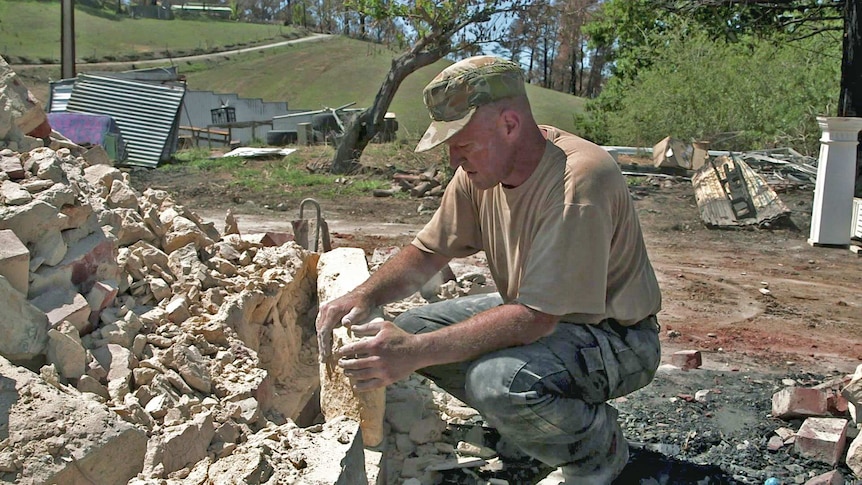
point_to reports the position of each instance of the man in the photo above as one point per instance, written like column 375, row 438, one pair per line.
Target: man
column 574, row 322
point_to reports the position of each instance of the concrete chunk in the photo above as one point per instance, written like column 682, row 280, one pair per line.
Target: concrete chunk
column 14, row 261
column 80, row 437
column 24, row 327
column 65, row 306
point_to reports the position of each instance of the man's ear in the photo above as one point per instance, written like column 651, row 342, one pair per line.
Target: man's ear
column 511, row 122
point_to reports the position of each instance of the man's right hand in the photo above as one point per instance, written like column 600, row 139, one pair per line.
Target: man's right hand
column 347, row 310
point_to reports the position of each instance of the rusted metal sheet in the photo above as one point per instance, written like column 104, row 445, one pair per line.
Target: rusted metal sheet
column 729, row 193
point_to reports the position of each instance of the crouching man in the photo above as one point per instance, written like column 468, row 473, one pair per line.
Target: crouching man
column 573, row 324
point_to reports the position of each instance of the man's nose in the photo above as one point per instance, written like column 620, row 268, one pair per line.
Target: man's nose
column 455, row 160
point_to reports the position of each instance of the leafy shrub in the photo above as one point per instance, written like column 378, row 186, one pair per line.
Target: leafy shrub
column 745, row 95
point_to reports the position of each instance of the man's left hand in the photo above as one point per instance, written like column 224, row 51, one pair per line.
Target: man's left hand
column 383, row 355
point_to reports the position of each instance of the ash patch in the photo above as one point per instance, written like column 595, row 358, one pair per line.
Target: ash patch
column 675, row 439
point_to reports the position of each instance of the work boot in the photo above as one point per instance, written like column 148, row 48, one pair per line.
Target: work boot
column 604, row 475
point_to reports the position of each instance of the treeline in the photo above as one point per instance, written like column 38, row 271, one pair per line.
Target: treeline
column 739, row 74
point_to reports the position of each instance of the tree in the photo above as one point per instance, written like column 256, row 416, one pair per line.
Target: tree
column 439, row 28
column 783, row 21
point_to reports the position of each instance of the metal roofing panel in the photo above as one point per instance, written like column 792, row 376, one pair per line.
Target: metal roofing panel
column 61, row 91
column 145, row 112
column 729, row 193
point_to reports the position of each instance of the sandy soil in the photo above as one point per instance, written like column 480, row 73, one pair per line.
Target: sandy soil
column 711, row 279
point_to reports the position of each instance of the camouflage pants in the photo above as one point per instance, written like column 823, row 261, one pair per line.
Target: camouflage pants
column 549, row 397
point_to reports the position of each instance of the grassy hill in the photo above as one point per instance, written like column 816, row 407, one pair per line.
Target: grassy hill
column 341, row 71
column 308, row 75
column 30, row 33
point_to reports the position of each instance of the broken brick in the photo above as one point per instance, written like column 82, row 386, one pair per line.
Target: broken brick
column 687, row 359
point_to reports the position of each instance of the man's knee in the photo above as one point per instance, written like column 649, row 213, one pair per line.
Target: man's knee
column 412, row 321
column 489, row 385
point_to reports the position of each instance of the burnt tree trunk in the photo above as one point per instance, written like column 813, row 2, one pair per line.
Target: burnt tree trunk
column 361, row 129
column 850, row 100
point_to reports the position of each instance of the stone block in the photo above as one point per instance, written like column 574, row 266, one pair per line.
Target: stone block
column 180, row 446
column 12, row 166
column 65, row 305
column 822, row 439
column 799, row 402
column 23, row 326
column 837, row 404
column 102, row 176
column 853, row 394
column 268, row 239
column 14, row 261
column 687, row 359
column 89, row 260
column 854, row 456
column 66, row 352
column 13, row 194
column 95, row 441
column 102, row 295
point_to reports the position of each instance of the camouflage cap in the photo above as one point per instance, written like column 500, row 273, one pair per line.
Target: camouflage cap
column 453, row 96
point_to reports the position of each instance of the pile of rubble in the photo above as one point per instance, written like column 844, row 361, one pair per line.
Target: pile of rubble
column 165, row 349
column 146, row 345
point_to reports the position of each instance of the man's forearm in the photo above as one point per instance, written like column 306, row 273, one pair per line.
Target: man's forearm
column 401, row 276
column 505, row 326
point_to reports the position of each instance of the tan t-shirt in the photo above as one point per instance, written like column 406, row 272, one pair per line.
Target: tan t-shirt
column 566, row 242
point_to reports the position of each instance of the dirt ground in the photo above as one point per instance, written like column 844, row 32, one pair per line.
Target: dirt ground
column 711, row 279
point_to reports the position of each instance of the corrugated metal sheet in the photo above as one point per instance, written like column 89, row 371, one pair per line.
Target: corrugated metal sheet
column 146, row 113
column 61, row 91
column 729, row 193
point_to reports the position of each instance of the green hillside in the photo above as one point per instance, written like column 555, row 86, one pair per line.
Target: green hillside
column 30, row 33
column 309, row 75
column 341, row 71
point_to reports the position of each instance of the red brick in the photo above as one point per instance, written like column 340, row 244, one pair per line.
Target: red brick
column 799, row 402
column 822, row 439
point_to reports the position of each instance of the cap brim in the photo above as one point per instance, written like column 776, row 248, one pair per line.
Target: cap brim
column 440, row 131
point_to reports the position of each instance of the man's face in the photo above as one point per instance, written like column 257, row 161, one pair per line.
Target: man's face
column 481, row 149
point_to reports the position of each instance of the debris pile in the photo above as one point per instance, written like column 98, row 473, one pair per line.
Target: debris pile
column 430, row 183
column 729, row 193
column 193, row 351
column 159, row 347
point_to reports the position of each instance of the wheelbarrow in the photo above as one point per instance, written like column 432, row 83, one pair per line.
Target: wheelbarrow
column 301, row 228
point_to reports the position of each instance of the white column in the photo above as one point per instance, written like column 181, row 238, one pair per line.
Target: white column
column 836, row 176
